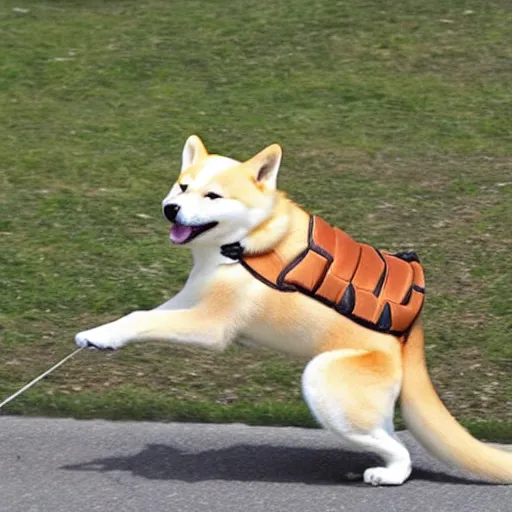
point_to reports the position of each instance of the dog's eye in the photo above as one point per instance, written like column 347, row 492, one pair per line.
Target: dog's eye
column 183, row 187
column 212, row 195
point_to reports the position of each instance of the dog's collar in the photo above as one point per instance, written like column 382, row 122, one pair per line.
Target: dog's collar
column 233, row 251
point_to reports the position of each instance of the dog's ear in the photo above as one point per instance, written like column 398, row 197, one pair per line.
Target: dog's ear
column 193, row 151
column 265, row 165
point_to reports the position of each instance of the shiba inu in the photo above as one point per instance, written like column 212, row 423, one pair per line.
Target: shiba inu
column 267, row 272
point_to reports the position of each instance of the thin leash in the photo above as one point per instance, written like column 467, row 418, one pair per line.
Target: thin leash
column 42, row 376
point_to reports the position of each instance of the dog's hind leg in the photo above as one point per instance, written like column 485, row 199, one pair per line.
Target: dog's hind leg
column 352, row 393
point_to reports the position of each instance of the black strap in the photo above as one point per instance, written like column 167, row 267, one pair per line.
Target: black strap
column 233, row 251
column 408, row 256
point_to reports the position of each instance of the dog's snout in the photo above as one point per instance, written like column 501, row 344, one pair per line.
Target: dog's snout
column 171, row 211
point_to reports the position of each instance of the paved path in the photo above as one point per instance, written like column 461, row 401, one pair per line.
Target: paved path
column 49, row 465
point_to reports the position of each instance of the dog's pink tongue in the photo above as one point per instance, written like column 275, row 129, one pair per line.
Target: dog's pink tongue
column 180, row 233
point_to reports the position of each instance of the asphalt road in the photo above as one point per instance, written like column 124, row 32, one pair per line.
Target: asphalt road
column 62, row 465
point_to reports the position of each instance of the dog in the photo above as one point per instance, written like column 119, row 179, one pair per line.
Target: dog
column 250, row 284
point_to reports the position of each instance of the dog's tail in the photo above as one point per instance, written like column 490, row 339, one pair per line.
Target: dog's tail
column 435, row 428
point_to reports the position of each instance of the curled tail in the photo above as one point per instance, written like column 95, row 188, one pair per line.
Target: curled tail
column 435, row 428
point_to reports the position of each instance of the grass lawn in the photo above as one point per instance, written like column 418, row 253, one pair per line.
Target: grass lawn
column 395, row 119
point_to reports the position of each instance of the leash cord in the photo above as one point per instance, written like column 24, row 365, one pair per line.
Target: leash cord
column 42, row 376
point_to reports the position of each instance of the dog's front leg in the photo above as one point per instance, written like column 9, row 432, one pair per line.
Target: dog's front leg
column 187, row 326
column 212, row 323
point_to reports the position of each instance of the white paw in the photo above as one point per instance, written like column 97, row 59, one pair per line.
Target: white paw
column 105, row 337
column 393, row 475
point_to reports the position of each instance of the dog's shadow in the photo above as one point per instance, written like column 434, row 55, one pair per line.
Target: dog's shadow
column 249, row 463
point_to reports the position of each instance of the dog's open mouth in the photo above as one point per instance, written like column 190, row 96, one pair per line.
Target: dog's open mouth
column 181, row 233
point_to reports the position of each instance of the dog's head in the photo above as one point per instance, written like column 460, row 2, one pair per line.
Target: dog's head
column 217, row 200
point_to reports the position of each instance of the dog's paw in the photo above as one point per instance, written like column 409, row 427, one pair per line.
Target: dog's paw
column 393, row 475
column 103, row 338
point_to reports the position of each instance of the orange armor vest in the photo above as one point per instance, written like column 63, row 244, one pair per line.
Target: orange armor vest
column 379, row 290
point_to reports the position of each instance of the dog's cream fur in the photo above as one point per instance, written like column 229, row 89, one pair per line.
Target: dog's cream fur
column 354, row 375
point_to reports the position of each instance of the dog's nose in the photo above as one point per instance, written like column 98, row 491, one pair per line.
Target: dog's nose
column 171, row 211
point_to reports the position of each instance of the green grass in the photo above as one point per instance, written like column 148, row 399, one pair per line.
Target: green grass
column 129, row 403
column 395, row 118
